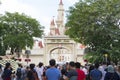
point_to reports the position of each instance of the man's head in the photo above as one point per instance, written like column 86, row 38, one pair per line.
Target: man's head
column 71, row 65
column 52, row 62
column 32, row 66
column 20, row 65
column 40, row 64
column 96, row 65
column 8, row 65
column 77, row 65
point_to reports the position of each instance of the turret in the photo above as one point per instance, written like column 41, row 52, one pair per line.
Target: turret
column 52, row 27
column 60, row 17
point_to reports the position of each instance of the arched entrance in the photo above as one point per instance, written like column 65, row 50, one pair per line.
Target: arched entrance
column 60, row 54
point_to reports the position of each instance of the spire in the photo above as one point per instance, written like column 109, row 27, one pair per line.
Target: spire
column 61, row 3
column 52, row 22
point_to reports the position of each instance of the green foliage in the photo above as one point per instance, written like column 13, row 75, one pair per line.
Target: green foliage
column 17, row 31
column 95, row 23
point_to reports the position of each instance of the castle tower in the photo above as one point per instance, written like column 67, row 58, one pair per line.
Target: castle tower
column 60, row 18
column 52, row 27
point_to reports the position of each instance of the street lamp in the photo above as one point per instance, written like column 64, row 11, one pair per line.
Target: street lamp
column 106, row 55
column 18, row 52
column 27, row 52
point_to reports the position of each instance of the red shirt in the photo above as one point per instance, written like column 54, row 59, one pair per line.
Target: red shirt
column 81, row 74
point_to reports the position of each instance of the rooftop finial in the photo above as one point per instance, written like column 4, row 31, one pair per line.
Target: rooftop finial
column 61, row 3
column 52, row 22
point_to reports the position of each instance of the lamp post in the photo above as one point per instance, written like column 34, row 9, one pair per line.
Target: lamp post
column 106, row 55
column 27, row 52
column 18, row 53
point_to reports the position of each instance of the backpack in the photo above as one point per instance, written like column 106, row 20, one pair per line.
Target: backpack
column 19, row 73
column 35, row 75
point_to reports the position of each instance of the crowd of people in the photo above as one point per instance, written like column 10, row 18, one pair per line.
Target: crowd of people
column 69, row 71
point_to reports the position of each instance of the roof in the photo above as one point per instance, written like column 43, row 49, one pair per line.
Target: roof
column 52, row 22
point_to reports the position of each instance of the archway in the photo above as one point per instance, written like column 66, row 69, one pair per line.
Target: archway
column 60, row 54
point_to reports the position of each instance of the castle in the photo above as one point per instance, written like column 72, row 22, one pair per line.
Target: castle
column 56, row 45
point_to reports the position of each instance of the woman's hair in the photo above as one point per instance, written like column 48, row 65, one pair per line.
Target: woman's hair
column 91, row 68
column 63, row 71
column 32, row 66
column 7, row 65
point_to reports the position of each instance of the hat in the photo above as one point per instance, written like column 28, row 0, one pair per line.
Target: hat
column 111, row 69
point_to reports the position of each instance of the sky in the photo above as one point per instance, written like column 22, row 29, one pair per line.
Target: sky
column 41, row 10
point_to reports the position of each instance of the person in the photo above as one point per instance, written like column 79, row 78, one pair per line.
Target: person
column 7, row 74
column 1, row 72
column 89, row 70
column 72, row 73
column 96, row 74
column 52, row 73
column 63, row 74
column 27, row 69
column 101, row 68
column 39, row 70
column 85, row 70
column 44, row 72
column 32, row 74
column 19, row 72
column 81, row 74
column 111, row 74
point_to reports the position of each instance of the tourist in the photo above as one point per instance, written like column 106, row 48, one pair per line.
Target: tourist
column 1, row 72
column 27, row 69
column 39, row 70
column 111, row 74
column 89, row 70
column 102, row 69
column 72, row 73
column 81, row 74
column 7, row 74
column 96, row 74
column 85, row 70
column 63, row 74
column 52, row 73
column 32, row 74
column 19, row 72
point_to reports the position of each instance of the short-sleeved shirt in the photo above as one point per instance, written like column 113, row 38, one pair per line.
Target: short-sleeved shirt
column 7, row 73
column 72, row 74
column 81, row 74
column 95, row 74
column 53, row 74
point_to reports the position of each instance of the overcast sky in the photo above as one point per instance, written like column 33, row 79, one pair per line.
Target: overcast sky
column 42, row 10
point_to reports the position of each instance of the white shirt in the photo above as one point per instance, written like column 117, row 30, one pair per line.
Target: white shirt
column 39, row 72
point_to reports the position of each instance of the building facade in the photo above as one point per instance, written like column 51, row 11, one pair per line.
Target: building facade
column 57, row 45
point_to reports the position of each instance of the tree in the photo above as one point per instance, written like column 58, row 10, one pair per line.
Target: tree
column 17, row 31
column 96, row 23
